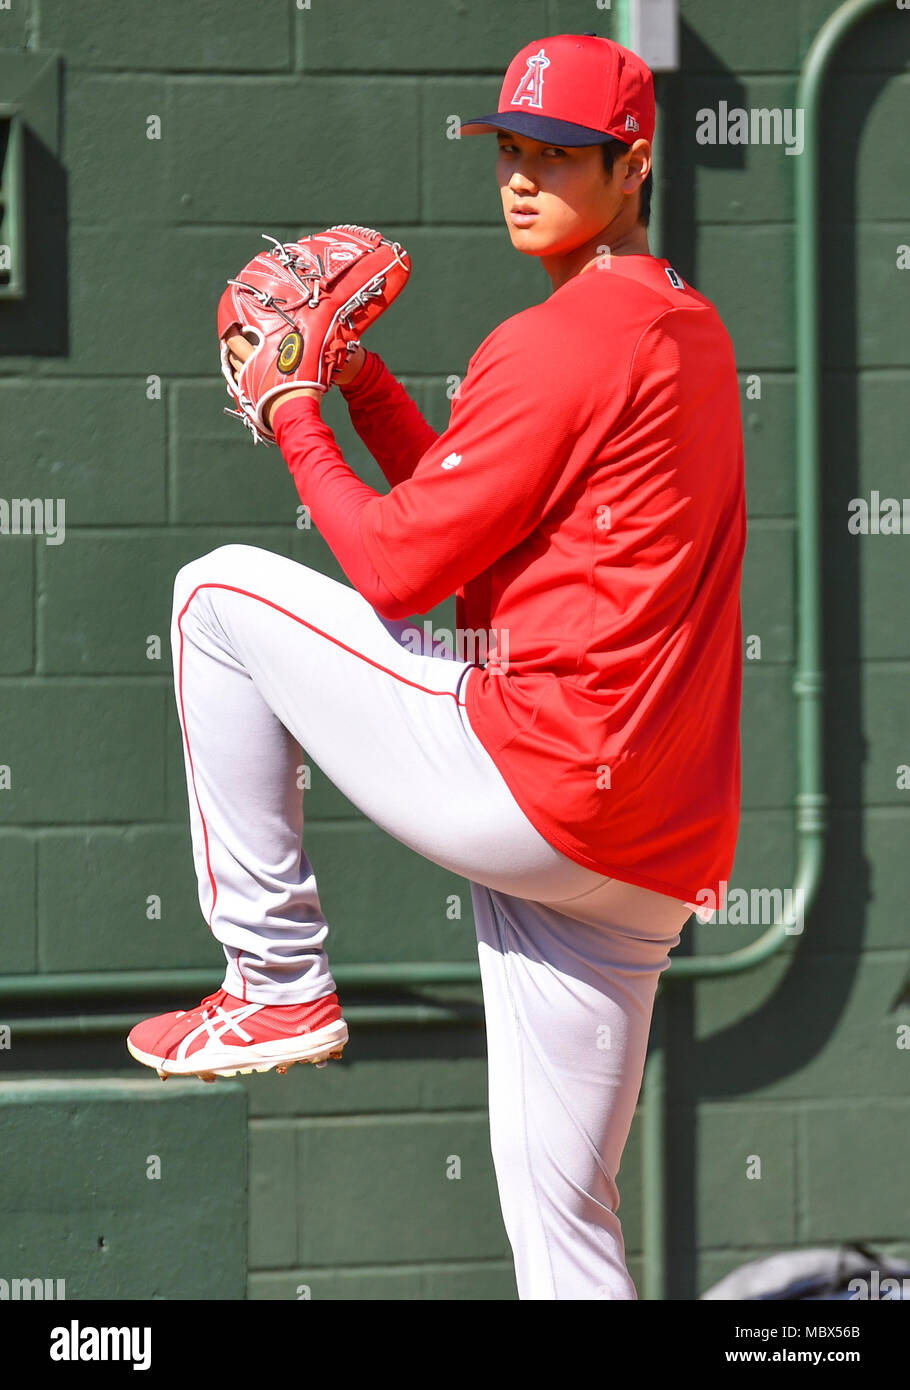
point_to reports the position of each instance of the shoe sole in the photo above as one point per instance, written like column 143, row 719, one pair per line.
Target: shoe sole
column 326, row 1044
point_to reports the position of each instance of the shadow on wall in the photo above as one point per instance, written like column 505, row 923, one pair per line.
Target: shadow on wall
column 781, row 1035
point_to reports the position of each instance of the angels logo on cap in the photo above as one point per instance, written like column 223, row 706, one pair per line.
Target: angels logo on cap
column 530, row 88
column 573, row 89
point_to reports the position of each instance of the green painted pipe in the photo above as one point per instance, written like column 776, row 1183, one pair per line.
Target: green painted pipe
column 358, row 1015
column 808, row 686
column 116, row 983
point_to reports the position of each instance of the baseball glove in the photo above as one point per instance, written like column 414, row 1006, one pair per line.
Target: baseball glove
column 305, row 304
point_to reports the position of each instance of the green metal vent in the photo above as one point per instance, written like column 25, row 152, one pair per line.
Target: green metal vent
column 12, row 203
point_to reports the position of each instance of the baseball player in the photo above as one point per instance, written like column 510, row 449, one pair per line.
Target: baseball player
column 586, row 507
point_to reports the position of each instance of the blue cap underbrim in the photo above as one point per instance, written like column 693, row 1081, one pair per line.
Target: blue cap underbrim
column 535, row 128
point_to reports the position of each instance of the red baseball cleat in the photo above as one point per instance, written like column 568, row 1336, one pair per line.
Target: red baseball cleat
column 223, row 1036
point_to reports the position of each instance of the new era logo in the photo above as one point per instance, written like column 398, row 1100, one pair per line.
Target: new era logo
column 631, row 123
column 452, row 461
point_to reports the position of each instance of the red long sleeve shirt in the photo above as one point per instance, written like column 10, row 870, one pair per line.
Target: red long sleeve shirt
column 381, row 411
column 586, row 507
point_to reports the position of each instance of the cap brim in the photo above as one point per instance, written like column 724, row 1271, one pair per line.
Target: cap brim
column 535, row 128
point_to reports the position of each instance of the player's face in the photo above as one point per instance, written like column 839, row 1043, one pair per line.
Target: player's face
column 572, row 197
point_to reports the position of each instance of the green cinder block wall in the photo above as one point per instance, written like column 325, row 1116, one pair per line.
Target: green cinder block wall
column 279, row 117
column 124, row 1188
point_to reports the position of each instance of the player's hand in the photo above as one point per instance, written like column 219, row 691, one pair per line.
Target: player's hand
column 239, row 349
column 240, row 346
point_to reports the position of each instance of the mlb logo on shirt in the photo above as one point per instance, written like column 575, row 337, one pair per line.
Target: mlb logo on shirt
column 675, row 280
column 451, row 461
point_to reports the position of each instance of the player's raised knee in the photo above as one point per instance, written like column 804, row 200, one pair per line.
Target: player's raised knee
column 222, row 565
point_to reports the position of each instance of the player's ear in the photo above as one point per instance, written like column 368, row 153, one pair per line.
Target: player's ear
column 638, row 164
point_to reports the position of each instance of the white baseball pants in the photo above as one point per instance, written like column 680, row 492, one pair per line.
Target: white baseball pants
column 271, row 658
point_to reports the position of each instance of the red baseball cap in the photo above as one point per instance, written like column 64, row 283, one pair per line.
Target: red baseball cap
column 573, row 89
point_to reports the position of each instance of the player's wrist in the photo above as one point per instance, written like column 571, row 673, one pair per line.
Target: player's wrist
column 352, row 368
column 363, row 383
column 292, row 393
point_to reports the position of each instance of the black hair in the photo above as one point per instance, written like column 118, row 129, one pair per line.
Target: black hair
column 610, row 149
